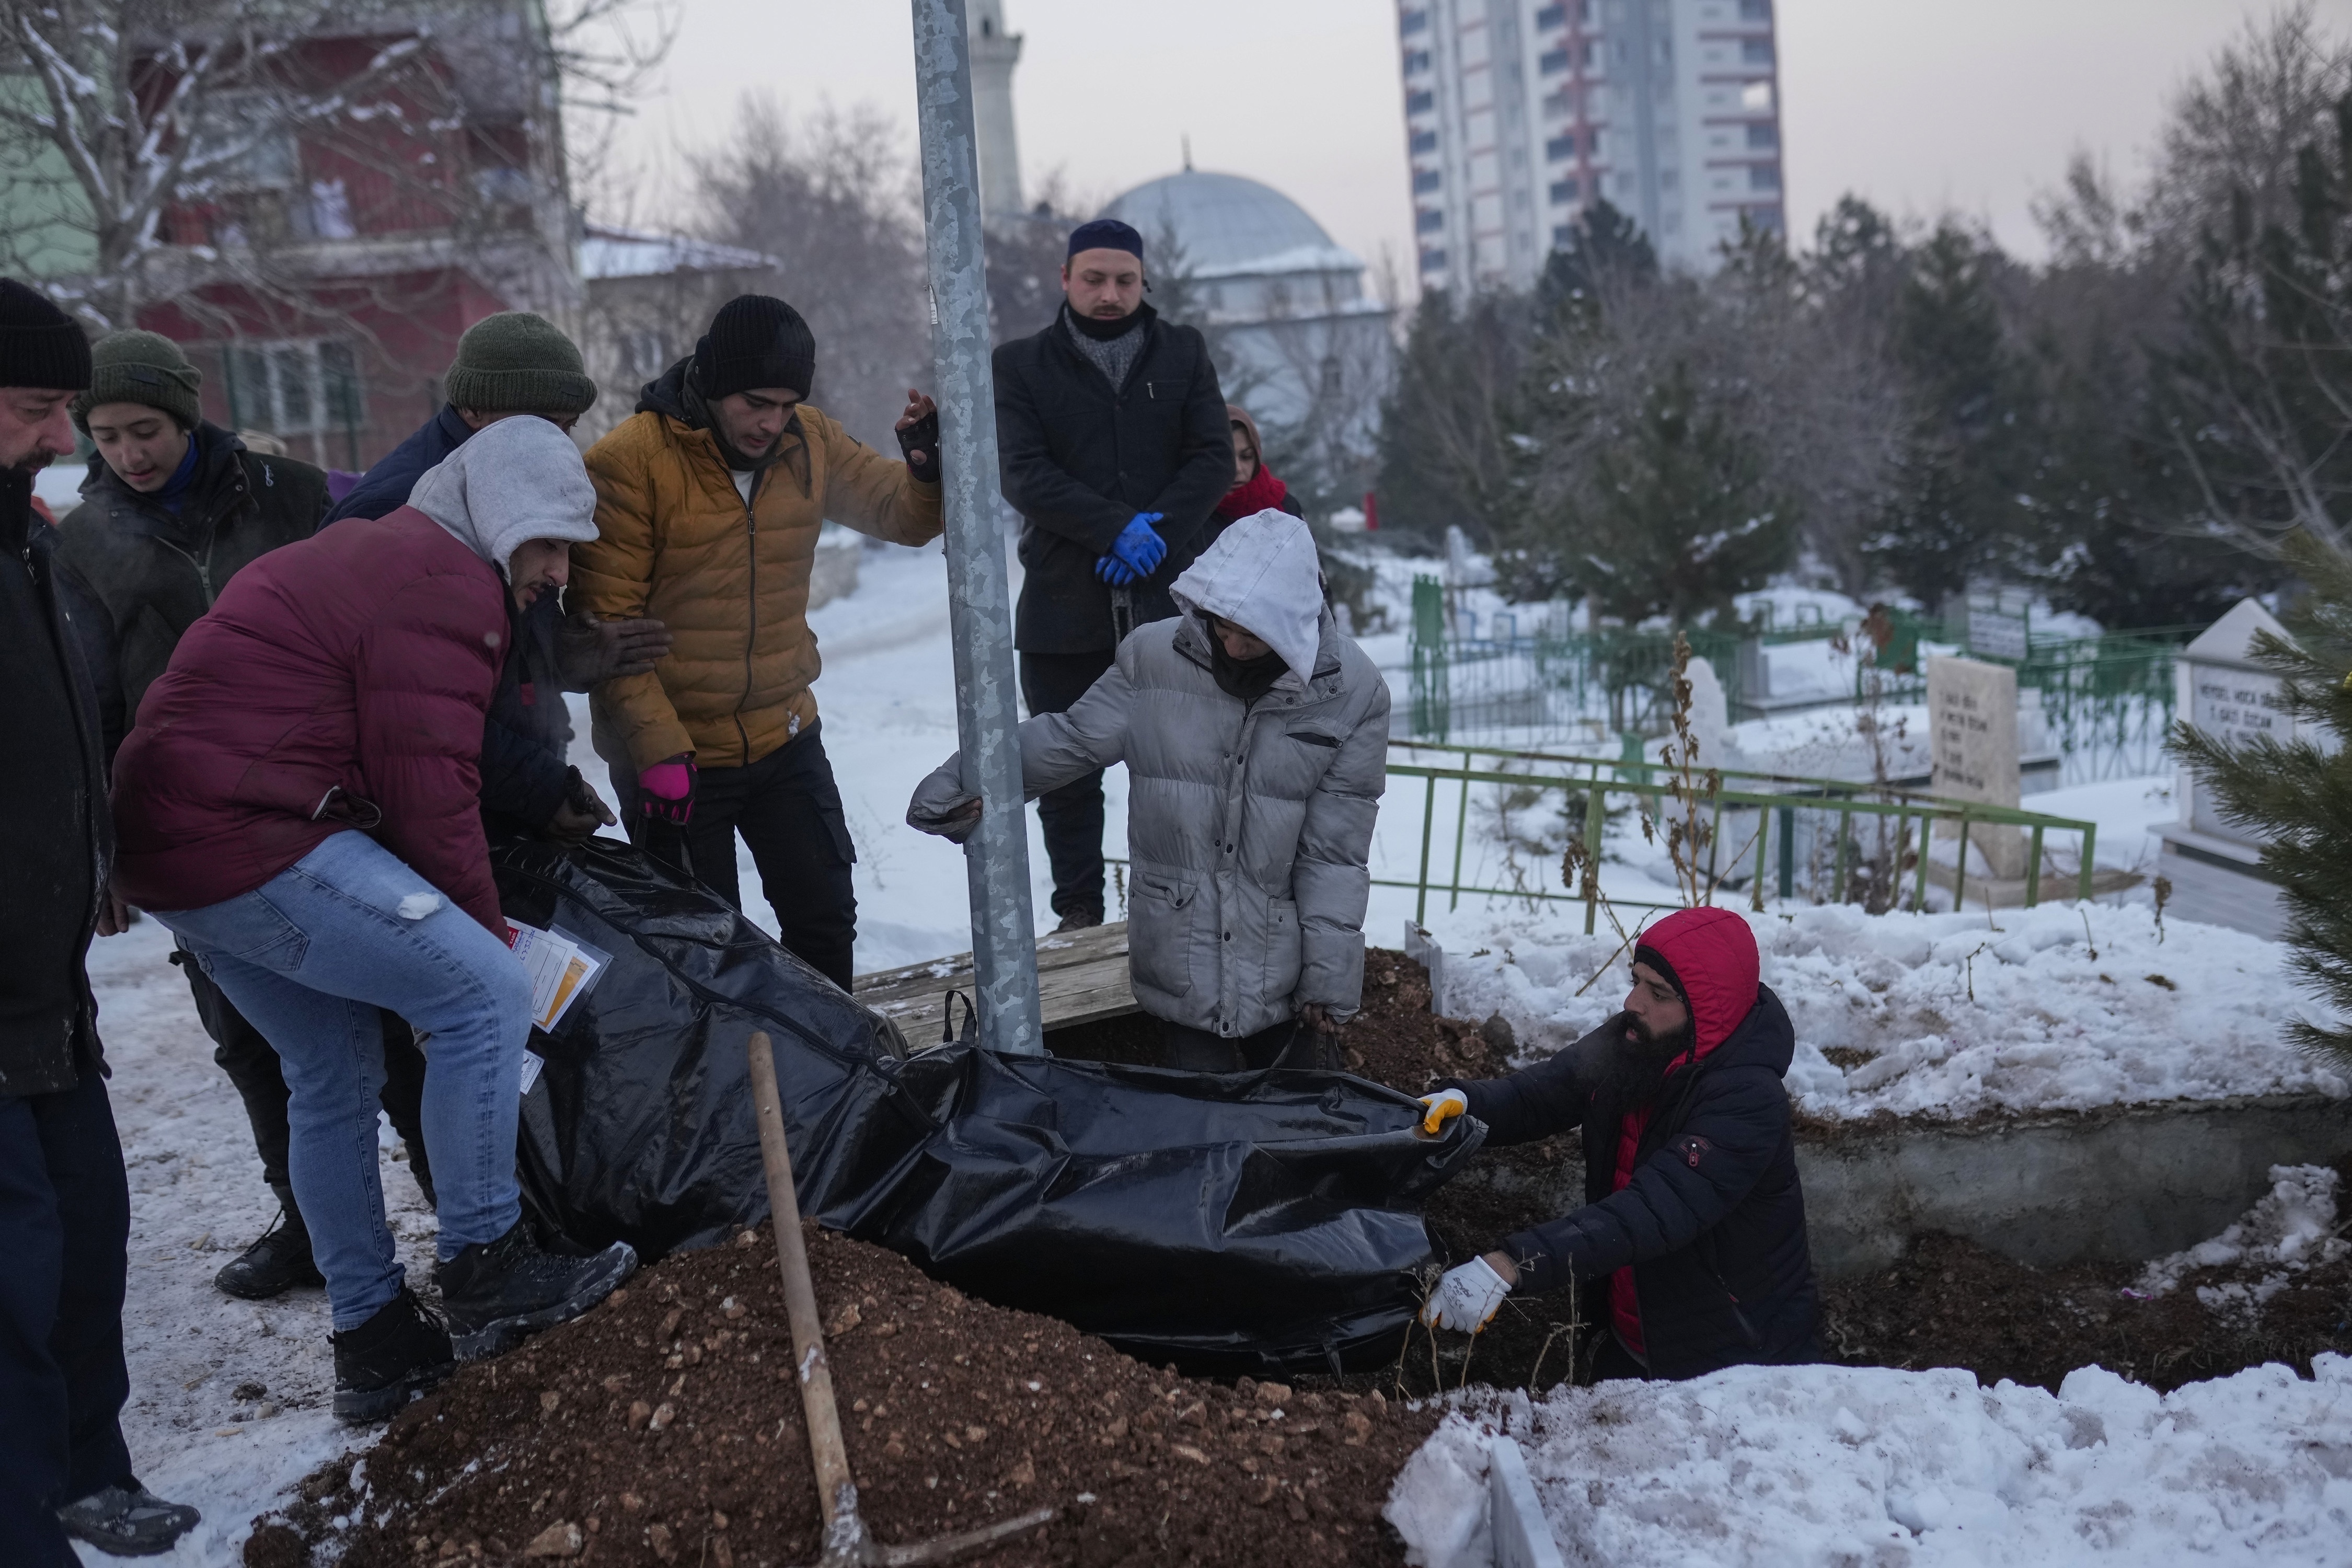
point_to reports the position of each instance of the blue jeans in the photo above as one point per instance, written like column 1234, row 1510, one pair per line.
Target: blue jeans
column 308, row 957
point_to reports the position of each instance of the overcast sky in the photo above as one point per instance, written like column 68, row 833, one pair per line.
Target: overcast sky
column 1920, row 105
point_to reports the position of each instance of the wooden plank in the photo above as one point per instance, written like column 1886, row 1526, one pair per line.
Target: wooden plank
column 1081, row 977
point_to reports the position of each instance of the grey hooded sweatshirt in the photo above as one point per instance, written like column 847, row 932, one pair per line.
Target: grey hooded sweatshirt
column 1249, row 825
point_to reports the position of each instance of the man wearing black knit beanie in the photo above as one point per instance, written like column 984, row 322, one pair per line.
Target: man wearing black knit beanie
column 710, row 499
column 65, row 1202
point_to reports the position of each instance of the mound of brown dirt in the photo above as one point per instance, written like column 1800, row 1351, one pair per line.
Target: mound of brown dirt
column 665, row 1427
column 1397, row 1041
column 1953, row 1303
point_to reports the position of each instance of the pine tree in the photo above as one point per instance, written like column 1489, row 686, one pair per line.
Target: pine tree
column 2298, row 797
column 1443, row 426
column 1955, row 513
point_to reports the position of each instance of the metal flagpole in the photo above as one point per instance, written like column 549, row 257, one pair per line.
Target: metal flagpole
column 979, row 611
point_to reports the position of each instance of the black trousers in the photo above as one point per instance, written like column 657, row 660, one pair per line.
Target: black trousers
column 1289, row 1045
column 788, row 810
column 253, row 1067
column 65, row 1222
column 1071, row 815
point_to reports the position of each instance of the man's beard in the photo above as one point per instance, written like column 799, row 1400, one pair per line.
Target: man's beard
column 1638, row 1062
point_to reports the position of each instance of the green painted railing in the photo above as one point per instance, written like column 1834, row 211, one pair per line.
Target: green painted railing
column 1772, row 795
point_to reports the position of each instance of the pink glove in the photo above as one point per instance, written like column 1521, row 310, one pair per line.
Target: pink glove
column 666, row 790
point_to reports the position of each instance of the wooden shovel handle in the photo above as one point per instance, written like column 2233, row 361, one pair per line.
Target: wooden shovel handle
column 836, row 1492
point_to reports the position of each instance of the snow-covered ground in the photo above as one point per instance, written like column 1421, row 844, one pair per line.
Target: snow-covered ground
column 1785, row 1466
column 2063, row 1006
column 1782, row 1467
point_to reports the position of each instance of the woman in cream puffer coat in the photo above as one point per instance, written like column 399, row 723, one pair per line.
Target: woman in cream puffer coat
column 1253, row 787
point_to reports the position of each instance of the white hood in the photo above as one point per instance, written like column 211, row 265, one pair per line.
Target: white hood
column 518, row 480
column 1263, row 575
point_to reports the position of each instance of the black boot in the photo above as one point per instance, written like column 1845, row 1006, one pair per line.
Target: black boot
column 275, row 1264
column 128, row 1521
column 497, row 1292
column 389, row 1360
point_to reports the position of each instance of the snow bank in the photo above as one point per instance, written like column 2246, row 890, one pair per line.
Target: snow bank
column 1949, row 1015
column 1790, row 1466
column 2289, row 1230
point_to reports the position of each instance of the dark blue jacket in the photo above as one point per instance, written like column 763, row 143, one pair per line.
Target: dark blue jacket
column 383, row 489
column 1713, row 1221
column 524, row 775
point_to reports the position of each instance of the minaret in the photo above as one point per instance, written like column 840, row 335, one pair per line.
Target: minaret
column 994, row 53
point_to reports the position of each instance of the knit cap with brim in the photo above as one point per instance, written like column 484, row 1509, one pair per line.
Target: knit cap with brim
column 146, row 368
column 755, row 341
column 513, row 482
column 518, row 363
column 40, row 345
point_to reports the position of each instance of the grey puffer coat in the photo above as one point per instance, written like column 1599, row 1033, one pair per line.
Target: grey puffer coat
column 1249, row 825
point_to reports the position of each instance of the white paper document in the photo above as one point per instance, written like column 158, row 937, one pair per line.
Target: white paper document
column 562, row 969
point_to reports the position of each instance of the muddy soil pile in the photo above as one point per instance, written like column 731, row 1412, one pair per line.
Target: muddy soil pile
column 665, row 1427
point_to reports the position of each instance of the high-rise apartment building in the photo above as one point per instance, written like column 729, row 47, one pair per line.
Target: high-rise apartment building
column 1521, row 113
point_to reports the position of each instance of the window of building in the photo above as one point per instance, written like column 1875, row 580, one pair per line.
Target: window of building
column 644, row 351
column 1756, row 51
column 1564, row 191
column 1433, row 261
column 1554, row 16
column 1411, row 22
column 1334, row 379
column 1766, row 218
column 1420, row 102
column 248, row 129
column 1563, row 235
column 308, row 387
column 1756, row 98
column 1560, row 146
column 1415, row 62
column 1754, row 10
column 1763, row 137
column 1424, row 181
column 1427, row 220
column 1560, row 104
column 1551, row 62
column 1423, row 142
column 1763, row 177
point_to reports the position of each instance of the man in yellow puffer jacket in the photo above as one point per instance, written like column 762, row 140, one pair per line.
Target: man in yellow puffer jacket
column 709, row 498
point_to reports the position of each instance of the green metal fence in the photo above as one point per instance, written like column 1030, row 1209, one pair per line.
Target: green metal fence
column 1777, row 802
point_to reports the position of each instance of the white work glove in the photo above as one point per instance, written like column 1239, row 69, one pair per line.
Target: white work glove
column 1465, row 1299
column 1442, row 1108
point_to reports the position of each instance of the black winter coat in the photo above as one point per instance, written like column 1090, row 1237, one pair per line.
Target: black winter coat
column 147, row 574
column 527, row 731
column 1713, row 1221
column 1079, row 459
column 56, row 838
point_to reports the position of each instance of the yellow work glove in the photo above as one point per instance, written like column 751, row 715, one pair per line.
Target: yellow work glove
column 1441, row 1107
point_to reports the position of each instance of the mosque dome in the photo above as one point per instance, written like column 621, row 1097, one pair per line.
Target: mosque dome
column 1231, row 226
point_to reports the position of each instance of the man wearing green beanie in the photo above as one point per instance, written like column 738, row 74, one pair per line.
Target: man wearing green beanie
column 512, row 363
column 173, row 508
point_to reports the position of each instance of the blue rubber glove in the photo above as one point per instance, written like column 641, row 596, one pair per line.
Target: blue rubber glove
column 1139, row 546
column 1109, row 569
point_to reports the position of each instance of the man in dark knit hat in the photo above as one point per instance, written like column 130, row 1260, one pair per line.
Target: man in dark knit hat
column 1112, row 444
column 173, row 508
column 65, row 1202
column 710, row 499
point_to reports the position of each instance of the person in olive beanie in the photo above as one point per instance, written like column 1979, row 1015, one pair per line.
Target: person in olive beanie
column 65, row 1202
column 513, row 363
column 173, row 508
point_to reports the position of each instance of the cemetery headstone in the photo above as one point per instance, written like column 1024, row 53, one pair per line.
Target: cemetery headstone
column 1972, row 724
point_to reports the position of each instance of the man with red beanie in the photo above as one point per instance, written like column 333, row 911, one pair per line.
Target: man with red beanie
column 1692, row 1213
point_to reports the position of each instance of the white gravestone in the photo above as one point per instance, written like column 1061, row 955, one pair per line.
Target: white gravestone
column 2231, row 699
column 1972, row 724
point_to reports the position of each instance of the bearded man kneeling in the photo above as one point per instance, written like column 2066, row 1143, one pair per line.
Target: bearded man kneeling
column 1693, row 1212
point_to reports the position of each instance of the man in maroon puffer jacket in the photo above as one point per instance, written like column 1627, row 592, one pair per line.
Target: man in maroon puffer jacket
column 300, row 805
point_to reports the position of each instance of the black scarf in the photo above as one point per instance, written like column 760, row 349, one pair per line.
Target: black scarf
column 1244, row 681
column 1104, row 332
